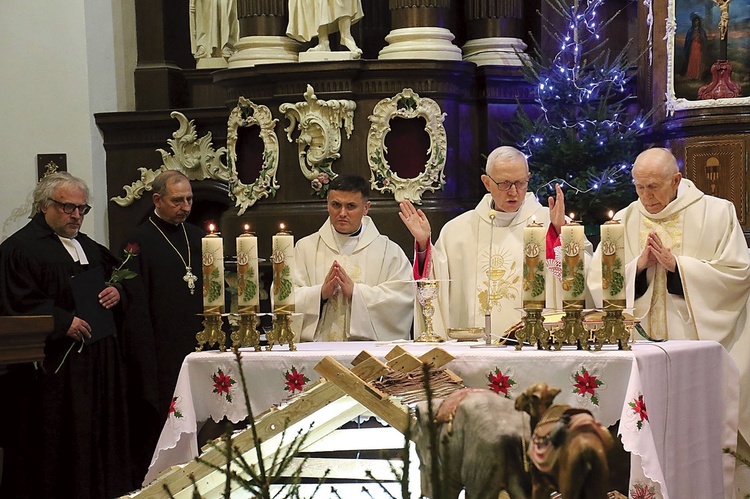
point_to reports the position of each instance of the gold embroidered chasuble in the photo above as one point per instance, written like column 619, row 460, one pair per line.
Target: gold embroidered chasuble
column 470, row 274
column 381, row 307
column 669, row 229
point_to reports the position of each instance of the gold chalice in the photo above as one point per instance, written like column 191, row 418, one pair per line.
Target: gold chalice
column 427, row 291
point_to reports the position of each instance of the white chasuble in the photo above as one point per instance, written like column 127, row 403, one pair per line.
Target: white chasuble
column 714, row 265
column 381, row 307
column 473, row 274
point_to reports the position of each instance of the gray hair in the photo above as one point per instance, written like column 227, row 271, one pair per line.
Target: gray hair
column 160, row 183
column 660, row 155
column 46, row 187
column 504, row 154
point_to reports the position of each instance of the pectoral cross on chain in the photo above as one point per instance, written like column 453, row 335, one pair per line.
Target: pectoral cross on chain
column 190, row 279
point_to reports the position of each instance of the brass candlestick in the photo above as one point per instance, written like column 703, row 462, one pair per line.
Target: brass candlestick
column 427, row 291
column 613, row 329
column 533, row 330
column 212, row 333
column 572, row 330
column 247, row 334
column 282, row 332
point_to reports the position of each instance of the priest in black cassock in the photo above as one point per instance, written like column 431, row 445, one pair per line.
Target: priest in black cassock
column 169, row 287
column 65, row 427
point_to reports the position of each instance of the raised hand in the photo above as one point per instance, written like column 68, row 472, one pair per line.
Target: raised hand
column 417, row 223
column 557, row 208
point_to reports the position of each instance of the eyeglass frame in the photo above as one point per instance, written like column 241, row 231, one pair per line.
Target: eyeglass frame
column 517, row 184
column 69, row 208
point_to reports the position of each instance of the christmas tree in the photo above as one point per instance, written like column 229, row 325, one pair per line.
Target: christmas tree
column 584, row 138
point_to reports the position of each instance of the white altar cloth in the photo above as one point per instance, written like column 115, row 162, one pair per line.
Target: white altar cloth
column 676, row 400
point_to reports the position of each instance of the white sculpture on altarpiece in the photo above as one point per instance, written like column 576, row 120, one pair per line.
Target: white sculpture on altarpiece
column 319, row 18
column 214, row 31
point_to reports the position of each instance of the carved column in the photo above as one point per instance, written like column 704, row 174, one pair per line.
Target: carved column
column 263, row 37
column 494, row 29
column 418, row 31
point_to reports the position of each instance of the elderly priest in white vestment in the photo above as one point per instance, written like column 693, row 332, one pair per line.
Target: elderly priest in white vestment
column 352, row 283
column 687, row 265
column 460, row 258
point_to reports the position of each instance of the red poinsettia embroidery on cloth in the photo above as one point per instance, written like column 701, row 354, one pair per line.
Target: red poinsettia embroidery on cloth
column 173, row 408
column 638, row 407
column 642, row 491
column 295, row 380
column 500, row 382
column 222, row 384
column 586, row 384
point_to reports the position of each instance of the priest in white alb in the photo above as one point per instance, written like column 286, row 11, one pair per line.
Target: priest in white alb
column 687, row 267
column 470, row 281
column 352, row 283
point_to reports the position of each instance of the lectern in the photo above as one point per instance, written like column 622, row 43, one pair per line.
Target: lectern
column 22, row 338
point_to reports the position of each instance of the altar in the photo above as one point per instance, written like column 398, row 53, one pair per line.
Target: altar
column 676, row 401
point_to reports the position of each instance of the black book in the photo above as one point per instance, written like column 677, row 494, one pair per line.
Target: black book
column 86, row 288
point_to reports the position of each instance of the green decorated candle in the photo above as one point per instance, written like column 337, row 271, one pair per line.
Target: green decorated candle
column 573, row 284
column 282, row 259
column 534, row 237
column 212, row 257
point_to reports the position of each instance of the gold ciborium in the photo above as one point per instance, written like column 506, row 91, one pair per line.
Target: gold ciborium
column 427, row 290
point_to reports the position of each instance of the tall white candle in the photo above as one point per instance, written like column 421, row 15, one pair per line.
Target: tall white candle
column 248, row 292
column 573, row 282
column 613, row 267
column 212, row 256
column 534, row 237
column 282, row 258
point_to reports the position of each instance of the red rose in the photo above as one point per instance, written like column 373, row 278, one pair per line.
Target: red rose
column 132, row 249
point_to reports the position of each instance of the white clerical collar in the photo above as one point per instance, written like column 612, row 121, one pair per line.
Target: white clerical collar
column 347, row 242
column 75, row 249
column 505, row 218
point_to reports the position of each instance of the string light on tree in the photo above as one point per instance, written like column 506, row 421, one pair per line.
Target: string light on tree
column 584, row 138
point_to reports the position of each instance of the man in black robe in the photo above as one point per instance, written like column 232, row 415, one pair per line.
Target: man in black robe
column 169, row 286
column 66, row 426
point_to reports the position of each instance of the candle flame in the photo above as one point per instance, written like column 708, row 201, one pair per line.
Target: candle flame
column 533, row 219
column 611, row 214
column 247, row 227
column 572, row 216
column 282, row 226
column 211, row 228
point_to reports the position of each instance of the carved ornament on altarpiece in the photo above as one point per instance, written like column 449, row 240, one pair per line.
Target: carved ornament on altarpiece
column 194, row 157
column 248, row 114
column 319, row 123
column 407, row 105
